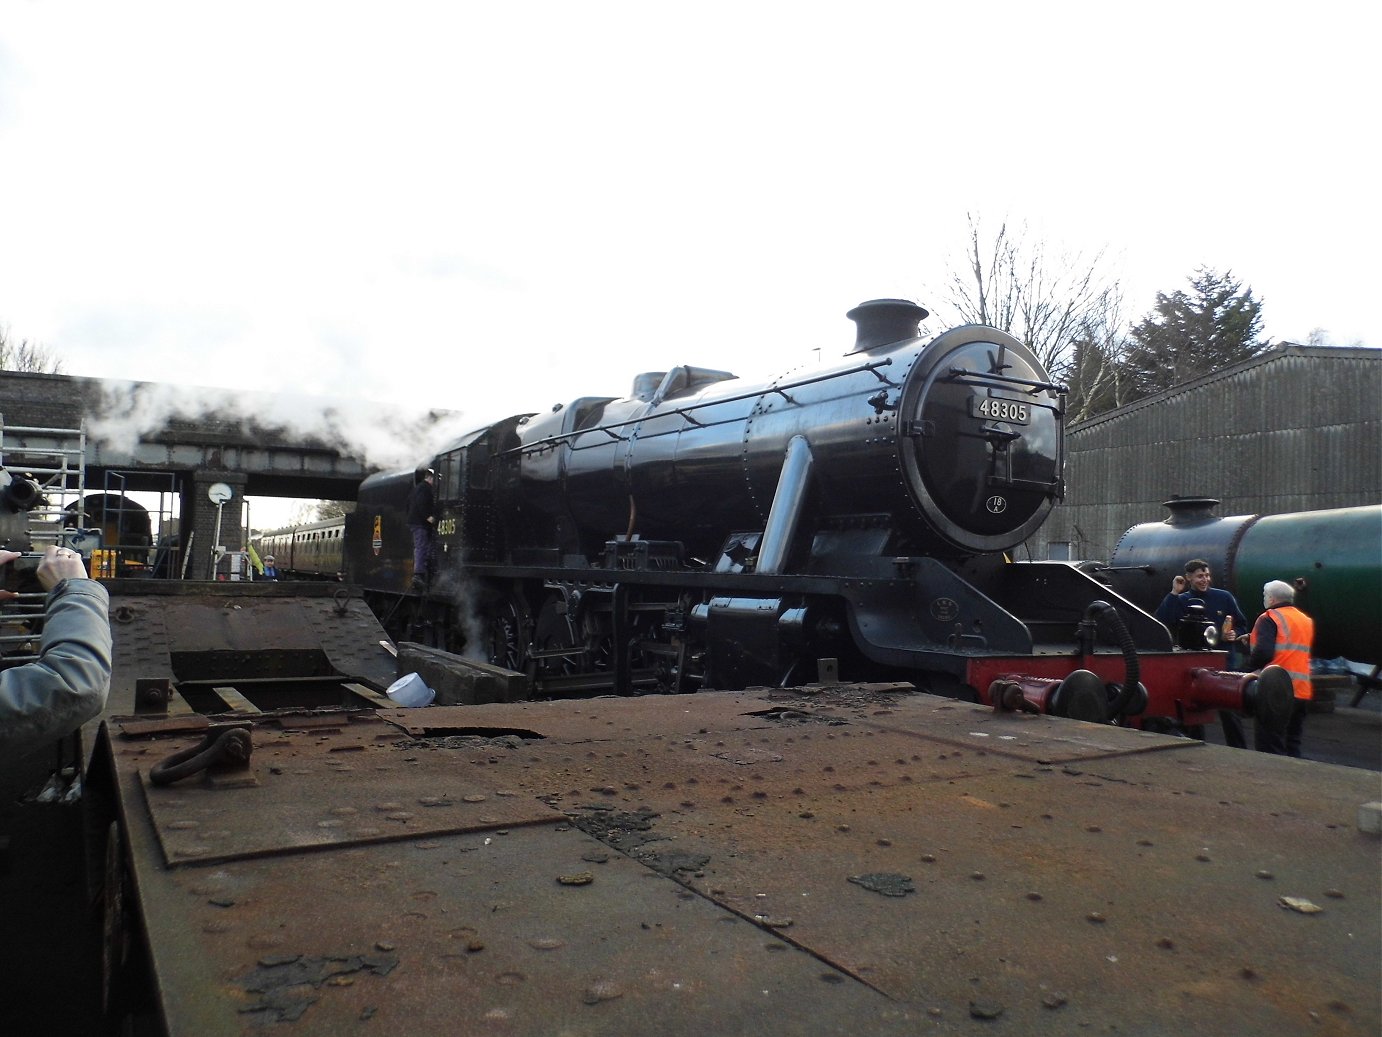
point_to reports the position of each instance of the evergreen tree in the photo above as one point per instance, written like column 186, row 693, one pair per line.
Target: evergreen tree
column 1215, row 325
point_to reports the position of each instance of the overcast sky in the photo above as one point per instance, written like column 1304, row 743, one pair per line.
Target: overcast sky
column 492, row 207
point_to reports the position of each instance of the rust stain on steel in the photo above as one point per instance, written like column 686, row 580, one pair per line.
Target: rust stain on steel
column 191, row 723
column 1120, row 888
column 328, row 720
column 486, row 938
column 1021, row 854
column 312, row 795
column 1021, row 736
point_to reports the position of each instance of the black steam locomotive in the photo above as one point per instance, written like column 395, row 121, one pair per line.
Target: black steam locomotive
column 844, row 522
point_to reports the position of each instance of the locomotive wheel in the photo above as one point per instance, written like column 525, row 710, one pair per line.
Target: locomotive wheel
column 651, row 654
column 598, row 641
column 557, row 649
column 508, row 623
column 421, row 627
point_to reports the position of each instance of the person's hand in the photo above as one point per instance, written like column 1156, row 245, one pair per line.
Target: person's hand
column 60, row 563
column 1178, row 585
column 6, row 557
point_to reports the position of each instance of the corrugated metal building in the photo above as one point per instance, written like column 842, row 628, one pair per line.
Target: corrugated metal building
column 1298, row 428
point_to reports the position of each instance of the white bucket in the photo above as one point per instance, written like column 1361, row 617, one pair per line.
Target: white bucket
column 411, row 690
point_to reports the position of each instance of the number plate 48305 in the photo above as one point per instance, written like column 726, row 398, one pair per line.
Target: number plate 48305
column 995, row 408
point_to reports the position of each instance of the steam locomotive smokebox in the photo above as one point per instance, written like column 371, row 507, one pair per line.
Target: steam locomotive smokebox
column 459, row 681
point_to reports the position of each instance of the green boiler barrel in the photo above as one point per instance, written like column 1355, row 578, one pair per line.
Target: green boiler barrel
column 1334, row 558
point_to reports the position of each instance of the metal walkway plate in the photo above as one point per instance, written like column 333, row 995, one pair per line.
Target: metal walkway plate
column 320, row 788
column 836, row 862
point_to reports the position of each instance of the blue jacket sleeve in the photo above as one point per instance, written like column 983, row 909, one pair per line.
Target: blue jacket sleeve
column 42, row 701
column 1170, row 610
column 1240, row 621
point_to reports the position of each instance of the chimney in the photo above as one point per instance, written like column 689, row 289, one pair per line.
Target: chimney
column 881, row 322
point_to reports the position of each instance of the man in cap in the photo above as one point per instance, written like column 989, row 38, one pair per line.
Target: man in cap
column 422, row 521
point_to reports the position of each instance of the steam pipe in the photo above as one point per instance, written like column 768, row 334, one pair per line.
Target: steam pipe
column 788, row 503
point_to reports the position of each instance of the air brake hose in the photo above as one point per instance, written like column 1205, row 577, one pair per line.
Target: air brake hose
column 1132, row 670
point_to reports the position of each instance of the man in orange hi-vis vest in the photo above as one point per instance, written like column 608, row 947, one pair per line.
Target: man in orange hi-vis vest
column 1282, row 637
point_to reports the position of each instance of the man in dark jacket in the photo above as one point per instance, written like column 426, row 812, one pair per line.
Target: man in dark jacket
column 1219, row 605
column 1283, row 637
column 43, row 701
column 422, row 520
column 1195, row 585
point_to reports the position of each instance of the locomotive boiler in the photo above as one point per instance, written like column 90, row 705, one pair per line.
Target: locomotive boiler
column 849, row 521
column 953, row 449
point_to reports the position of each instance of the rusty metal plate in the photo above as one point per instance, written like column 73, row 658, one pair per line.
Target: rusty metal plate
column 599, row 719
column 1022, row 736
column 479, row 934
column 313, row 789
column 215, row 623
column 1114, row 899
column 190, row 723
column 146, row 630
column 786, row 864
column 1122, row 891
column 350, row 635
column 1038, row 739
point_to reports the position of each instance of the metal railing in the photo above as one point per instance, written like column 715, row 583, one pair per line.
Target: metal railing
column 55, row 459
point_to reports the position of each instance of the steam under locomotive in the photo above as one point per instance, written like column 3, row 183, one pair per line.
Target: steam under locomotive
column 843, row 522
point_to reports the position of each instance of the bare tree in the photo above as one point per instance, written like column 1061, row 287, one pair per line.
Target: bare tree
column 319, row 511
column 333, row 509
column 1051, row 303
column 1097, row 376
column 26, row 356
column 1322, row 337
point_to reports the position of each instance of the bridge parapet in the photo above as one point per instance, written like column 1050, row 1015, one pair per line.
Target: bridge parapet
column 261, row 444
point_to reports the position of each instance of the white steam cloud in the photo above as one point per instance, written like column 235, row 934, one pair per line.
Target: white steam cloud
column 377, row 435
